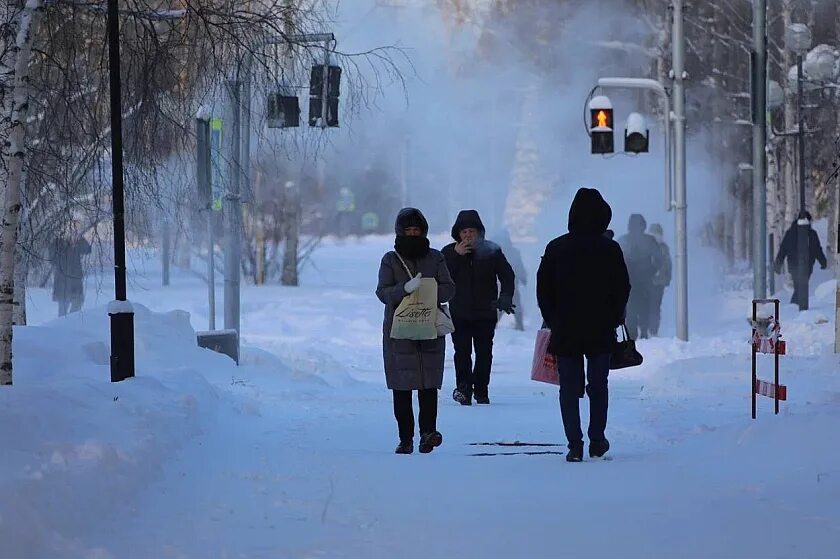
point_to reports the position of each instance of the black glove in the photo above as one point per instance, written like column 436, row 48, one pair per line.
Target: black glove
column 777, row 268
column 823, row 266
column 506, row 304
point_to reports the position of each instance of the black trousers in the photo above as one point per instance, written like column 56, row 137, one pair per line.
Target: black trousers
column 638, row 312
column 404, row 413
column 471, row 334
column 572, row 383
column 656, row 295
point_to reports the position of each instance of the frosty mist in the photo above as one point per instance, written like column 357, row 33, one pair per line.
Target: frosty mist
column 492, row 118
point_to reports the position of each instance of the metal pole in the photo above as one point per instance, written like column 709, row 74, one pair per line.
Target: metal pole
column 202, row 129
column 122, row 317
column 759, row 150
column 659, row 89
column 669, row 153
column 771, row 273
column 246, row 135
column 678, row 40
column 752, row 343
column 802, row 229
column 233, row 211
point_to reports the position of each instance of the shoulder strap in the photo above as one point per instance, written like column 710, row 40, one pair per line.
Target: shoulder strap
column 407, row 269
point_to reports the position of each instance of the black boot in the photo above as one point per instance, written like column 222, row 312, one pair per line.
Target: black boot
column 428, row 441
column 575, row 454
column 405, row 447
column 481, row 395
column 597, row 449
column 462, row 396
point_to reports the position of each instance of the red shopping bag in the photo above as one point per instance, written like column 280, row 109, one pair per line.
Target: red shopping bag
column 544, row 366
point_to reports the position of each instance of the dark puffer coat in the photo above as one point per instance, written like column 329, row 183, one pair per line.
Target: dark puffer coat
column 410, row 364
column 478, row 273
column 582, row 282
column 641, row 253
column 68, row 273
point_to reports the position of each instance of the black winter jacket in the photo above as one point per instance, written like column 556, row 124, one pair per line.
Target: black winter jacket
column 641, row 253
column 582, row 282
column 476, row 274
column 789, row 250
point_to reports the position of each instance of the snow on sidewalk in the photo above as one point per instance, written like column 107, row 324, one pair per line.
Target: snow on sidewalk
column 291, row 454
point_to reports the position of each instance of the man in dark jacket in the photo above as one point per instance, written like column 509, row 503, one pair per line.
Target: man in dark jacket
column 476, row 265
column 582, row 291
column 642, row 256
column 789, row 249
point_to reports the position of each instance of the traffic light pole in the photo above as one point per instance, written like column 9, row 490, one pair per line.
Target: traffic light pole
column 239, row 90
column 676, row 201
column 659, row 89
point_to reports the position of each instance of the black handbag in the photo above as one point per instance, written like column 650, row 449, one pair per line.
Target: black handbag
column 625, row 353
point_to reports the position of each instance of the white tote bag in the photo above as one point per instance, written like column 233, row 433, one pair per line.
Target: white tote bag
column 442, row 320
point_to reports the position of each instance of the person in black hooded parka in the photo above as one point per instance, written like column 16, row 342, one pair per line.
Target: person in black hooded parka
column 582, row 292
column 476, row 265
column 644, row 258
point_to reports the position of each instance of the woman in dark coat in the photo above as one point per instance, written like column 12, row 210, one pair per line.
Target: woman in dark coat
column 409, row 364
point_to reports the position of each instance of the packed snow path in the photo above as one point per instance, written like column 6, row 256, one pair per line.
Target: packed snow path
column 292, row 453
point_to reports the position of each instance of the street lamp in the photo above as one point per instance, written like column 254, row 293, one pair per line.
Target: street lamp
column 120, row 310
column 798, row 40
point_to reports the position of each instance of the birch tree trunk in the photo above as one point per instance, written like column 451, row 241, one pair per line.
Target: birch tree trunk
column 291, row 209
column 13, row 156
column 834, row 189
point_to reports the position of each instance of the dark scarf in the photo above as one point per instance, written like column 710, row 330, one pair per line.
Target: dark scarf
column 412, row 248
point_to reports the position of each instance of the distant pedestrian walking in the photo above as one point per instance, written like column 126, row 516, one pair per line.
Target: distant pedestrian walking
column 477, row 267
column 68, row 271
column 413, row 364
column 661, row 279
column 642, row 255
column 789, row 250
column 514, row 257
column 582, row 290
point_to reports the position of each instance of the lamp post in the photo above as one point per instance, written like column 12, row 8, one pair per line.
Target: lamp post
column 798, row 40
column 120, row 311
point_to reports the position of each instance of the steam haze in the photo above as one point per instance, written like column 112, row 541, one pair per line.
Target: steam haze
column 497, row 104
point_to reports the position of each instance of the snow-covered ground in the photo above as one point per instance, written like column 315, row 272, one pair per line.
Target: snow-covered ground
column 290, row 455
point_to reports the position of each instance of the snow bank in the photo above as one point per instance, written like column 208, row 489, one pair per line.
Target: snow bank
column 76, row 445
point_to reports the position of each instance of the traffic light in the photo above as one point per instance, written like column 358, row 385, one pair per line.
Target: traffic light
column 316, row 96
column 601, row 125
column 636, row 135
column 283, row 111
